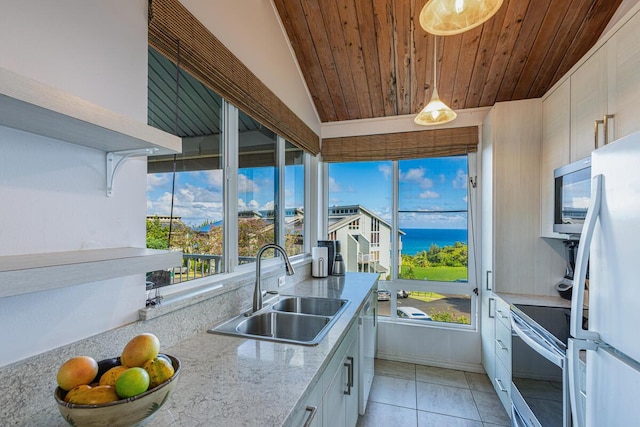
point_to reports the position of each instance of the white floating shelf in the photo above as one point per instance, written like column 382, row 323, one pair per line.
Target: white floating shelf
column 33, row 107
column 22, row 274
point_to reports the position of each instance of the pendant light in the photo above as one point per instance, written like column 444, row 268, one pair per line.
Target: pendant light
column 435, row 112
column 448, row 17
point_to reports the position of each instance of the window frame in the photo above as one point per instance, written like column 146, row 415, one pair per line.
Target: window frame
column 448, row 288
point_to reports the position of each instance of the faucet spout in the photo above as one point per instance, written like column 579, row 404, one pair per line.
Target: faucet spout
column 257, row 291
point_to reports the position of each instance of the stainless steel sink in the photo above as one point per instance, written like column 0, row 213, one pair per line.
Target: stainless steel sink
column 290, row 319
column 309, row 305
column 283, row 326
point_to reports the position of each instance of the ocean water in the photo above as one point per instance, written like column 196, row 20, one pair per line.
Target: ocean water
column 420, row 239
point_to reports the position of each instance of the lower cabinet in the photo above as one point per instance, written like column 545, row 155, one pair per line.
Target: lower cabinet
column 340, row 400
column 502, row 367
column 333, row 401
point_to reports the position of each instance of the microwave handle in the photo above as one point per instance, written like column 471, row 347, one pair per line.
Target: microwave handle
column 582, row 259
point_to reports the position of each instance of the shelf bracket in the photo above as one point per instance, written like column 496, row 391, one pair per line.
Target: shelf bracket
column 116, row 158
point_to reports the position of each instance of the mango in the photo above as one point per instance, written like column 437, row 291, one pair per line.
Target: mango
column 87, row 395
column 110, row 377
column 159, row 369
column 140, row 349
column 77, row 371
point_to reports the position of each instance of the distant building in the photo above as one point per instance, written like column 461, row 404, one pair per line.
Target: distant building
column 365, row 238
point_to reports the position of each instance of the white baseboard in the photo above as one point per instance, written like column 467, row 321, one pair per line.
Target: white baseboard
column 469, row 367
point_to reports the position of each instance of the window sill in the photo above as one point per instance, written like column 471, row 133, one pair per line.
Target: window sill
column 206, row 288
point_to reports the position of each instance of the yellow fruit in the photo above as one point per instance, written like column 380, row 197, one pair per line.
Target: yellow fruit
column 110, row 377
column 132, row 382
column 159, row 370
column 87, row 395
column 77, row 371
column 140, row 349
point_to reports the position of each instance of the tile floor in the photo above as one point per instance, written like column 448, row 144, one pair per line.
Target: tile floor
column 408, row 395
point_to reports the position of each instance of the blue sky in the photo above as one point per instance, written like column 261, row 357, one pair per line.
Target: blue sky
column 426, row 185
column 198, row 194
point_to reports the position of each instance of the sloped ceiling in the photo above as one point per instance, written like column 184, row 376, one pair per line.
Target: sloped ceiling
column 370, row 58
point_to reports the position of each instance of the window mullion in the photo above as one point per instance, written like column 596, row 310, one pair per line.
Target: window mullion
column 279, row 210
column 230, row 138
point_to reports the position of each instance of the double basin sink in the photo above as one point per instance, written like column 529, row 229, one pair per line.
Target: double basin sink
column 291, row 319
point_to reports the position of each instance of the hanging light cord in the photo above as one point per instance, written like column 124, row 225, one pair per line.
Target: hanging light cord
column 435, row 62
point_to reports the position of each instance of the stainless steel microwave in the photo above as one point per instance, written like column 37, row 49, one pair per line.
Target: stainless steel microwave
column 572, row 195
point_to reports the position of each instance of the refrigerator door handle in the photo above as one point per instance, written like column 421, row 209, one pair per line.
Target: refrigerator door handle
column 582, row 260
column 577, row 395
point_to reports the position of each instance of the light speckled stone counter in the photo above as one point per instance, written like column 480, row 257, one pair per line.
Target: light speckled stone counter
column 232, row 381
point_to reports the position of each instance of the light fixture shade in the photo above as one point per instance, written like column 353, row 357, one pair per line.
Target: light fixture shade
column 448, row 17
column 435, row 112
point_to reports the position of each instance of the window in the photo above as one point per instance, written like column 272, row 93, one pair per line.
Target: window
column 433, row 276
column 188, row 195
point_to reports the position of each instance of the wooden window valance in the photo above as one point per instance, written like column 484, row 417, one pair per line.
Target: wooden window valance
column 208, row 60
column 401, row 145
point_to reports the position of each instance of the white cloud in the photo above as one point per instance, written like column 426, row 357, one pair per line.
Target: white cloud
column 460, row 181
column 246, row 185
column 580, row 202
column 429, row 195
column 416, row 176
column 334, row 187
column 385, row 169
column 215, row 178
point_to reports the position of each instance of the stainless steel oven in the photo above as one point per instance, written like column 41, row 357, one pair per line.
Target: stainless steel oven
column 539, row 388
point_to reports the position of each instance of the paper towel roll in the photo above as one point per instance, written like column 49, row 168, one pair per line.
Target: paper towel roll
column 319, row 265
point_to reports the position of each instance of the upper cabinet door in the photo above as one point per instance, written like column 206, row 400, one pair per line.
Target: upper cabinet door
column 624, row 79
column 556, row 134
column 588, row 105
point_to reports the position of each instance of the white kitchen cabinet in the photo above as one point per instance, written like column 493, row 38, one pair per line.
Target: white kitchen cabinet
column 311, row 413
column 340, row 382
column 368, row 341
column 588, row 105
column 623, row 53
column 556, row 125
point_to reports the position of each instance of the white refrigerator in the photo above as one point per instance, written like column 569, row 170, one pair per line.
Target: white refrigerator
column 604, row 361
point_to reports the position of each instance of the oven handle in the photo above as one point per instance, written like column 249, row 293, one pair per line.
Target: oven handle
column 535, row 342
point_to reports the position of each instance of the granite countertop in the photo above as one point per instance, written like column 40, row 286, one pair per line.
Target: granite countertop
column 229, row 380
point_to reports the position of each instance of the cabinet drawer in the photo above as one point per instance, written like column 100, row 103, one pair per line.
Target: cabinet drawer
column 502, row 384
column 503, row 344
column 503, row 313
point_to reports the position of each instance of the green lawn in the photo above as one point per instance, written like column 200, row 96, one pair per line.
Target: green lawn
column 445, row 274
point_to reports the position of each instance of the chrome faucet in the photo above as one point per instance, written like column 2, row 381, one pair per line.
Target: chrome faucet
column 257, row 291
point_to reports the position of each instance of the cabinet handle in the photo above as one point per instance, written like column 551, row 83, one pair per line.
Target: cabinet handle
column 501, row 314
column 501, row 345
column 596, row 124
column 489, row 282
column 349, row 366
column 500, row 386
column 491, row 300
column 606, row 127
column 312, row 413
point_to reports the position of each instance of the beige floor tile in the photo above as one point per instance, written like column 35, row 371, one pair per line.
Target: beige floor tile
column 490, row 408
column 393, row 391
column 430, row 419
column 382, row 415
column 446, row 400
column 391, row 368
column 441, row 376
column 479, row 382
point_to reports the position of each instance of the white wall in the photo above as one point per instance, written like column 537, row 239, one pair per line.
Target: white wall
column 252, row 31
column 53, row 193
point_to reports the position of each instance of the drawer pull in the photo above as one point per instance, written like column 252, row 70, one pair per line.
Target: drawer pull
column 501, row 314
column 500, row 386
column 350, row 369
column 501, row 345
column 312, row 413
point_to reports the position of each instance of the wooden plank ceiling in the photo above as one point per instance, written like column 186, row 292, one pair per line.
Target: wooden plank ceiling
column 370, row 58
